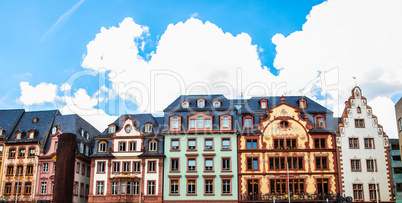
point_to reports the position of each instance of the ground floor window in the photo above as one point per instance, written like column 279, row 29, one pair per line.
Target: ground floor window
column 151, row 187
column 99, row 188
column 373, row 191
column 226, row 186
column 357, row 191
column 114, row 188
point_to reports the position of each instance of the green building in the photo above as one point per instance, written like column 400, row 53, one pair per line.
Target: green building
column 395, row 158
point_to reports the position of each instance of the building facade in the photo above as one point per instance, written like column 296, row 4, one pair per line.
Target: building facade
column 398, row 114
column 47, row 158
column 127, row 162
column 363, row 149
column 286, row 146
column 21, row 161
column 395, row 158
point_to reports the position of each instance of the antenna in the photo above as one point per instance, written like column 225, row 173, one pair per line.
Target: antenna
column 355, row 80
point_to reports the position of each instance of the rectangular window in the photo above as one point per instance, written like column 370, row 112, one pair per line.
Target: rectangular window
column 191, row 144
column 359, row 123
column 207, row 123
column 371, row 165
column 101, row 167
column 114, row 188
column 151, row 187
column 123, row 188
column 28, row 188
column 77, row 168
column 136, row 186
column 174, row 186
column 209, row 186
column 400, row 124
column 75, row 189
column 116, row 167
column 372, row 191
column 8, row 188
column 129, row 188
column 52, row 187
column 102, row 147
column 354, row 143
column 319, row 143
column 355, row 164
column 226, row 164
column 151, row 166
column 277, row 163
column 21, row 153
column 82, row 190
column 192, row 123
column 252, row 163
column 357, row 191
column 191, row 165
column 295, row 163
column 175, row 144
column 368, row 143
column 45, row 167
column 321, row 163
column 10, row 170
column 136, row 166
column 279, row 143
column 88, row 170
column 83, row 168
column 225, row 143
column 11, row 153
column 99, row 188
column 43, row 187
column 174, row 164
column 191, row 186
column 247, row 123
column 132, row 146
column 126, row 166
column 209, row 144
column 251, row 144
column 122, row 146
column 152, row 146
column 209, row 164
column 20, row 169
column 31, row 152
column 291, row 143
column 18, row 187
column 278, row 186
column 296, row 186
column 226, row 186
column 175, row 123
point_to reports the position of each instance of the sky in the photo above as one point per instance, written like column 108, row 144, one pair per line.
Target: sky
column 100, row 59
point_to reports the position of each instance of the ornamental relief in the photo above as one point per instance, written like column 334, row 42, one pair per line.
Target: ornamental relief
column 364, row 102
column 374, row 122
column 346, row 122
column 386, row 142
column 357, row 180
column 380, row 132
column 350, row 114
column 369, row 113
column 353, row 102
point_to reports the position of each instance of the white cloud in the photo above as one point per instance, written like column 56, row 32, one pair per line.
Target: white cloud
column 84, row 105
column 360, row 37
column 44, row 92
column 65, row 87
column 384, row 109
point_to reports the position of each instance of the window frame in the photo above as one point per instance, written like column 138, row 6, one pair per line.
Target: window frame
column 30, row 188
column 251, row 122
column 148, row 128
column 230, row 144
column 195, row 186
column 178, row 187
column 153, row 185
column 99, row 146
column 171, row 146
column 373, row 164
column 209, row 158
column 320, row 159
column 98, row 186
column 203, row 103
column 354, row 163
column 252, row 163
column 130, row 143
column 353, row 140
column 357, row 190
column 205, row 186
column 222, row 122
column 98, row 164
column 171, row 159
column 371, row 143
column 149, row 167
column 376, row 192
column 216, row 102
column 317, row 123
column 213, row 144
column 116, row 165
column 173, row 125
column 191, row 157
column 155, row 143
column 230, row 186
column 122, row 146
column 139, row 166
column 230, row 164
column 188, row 146
column 359, row 124
column 262, row 102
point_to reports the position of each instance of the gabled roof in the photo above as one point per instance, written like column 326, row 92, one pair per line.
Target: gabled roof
column 8, row 121
column 141, row 120
column 192, row 99
column 41, row 127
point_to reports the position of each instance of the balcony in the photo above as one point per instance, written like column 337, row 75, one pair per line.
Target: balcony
column 293, row 198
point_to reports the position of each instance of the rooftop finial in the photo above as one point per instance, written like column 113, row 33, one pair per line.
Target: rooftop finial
column 355, row 80
column 282, row 99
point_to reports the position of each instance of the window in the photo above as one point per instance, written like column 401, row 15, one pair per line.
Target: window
column 396, row 158
column 372, row 191
column 82, row 190
column 116, row 167
column 1, row 147
column 152, row 146
column 321, row 163
column 126, row 166
column 136, row 166
column 225, row 144
column 358, row 110
column 123, row 188
column 86, row 190
column 319, row 122
column 174, row 164
column 296, row 186
column 99, row 188
column 191, row 144
column 148, row 128
column 175, row 144
column 252, row 163
column 28, row 187
column 101, row 167
column 136, row 186
column 185, row 105
column 129, row 188
column 359, row 123
column 248, row 123
column 252, row 144
column 45, row 167
column 83, row 169
column 216, row 105
column 102, row 147
column 174, row 186
column 209, row 144
column 225, row 122
column 122, row 146
column 175, row 123
column 226, row 186
column 29, row 169
column 276, row 163
column 192, row 123
column 371, row 165
column 151, row 166
column 278, row 186
column 209, row 164
column 128, row 128
column 354, row 143
column 112, row 129
column 18, row 187
column 11, row 153
column 226, row 164
column 77, row 168
column 54, row 167
column 200, row 122
column 284, row 124
column 209, row 186
column 151, row 187
column 114, row 188
column 207, row 123
column 21, row 152
column 20, row 169
column 191, row 165
column 18, row 136
column 52, row 187
column 302, row 104
column 295, row 163
column 132, row 146
column 263, row 104
column 200, row 104
column 319, row 143
column 43, row 187
column 355, row 164
column 10, row 170
column 8, row 188
column 357, row 191
column 31, row 135
column 368, row 143
column 191, row 186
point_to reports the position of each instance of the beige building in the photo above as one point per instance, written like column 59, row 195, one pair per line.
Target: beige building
column 398, row 113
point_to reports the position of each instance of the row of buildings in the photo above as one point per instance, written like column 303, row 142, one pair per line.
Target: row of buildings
column 207, row 148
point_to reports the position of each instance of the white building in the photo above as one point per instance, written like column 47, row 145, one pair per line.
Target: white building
column 364, row 169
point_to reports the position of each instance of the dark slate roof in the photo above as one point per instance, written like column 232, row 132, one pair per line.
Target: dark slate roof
column 192, row 99
column 141, row 120
column 253, row 104
column 8, row 121
column 73, row 124
column 41, row 127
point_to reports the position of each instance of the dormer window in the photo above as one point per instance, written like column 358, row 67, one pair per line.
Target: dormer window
column 185, row 104
column 201, row 103
column 248, row 122
column 217, row 104
column 302, row 104
column 128, row 128
column 112, row 129
column 102, row 146
column 35, row 120
column 18, row 135
column 226, row 122
column 153, row 145
column 198, row 121
column 54, row 130
column 263, row 103
column 87, row 135
column 358, row 110
column 82, row 132
column 31, row 134
column 175, row 123
column 148, row 128
column 1, row 132
column 319, row 121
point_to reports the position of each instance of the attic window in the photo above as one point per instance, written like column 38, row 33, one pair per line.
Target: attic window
column 284, row 124
column 35, row 120
column 217, row 104
column 201, row 104
column 302, row 104
column 263, row 103
column 112, row 129
column 82, row 132
column 31, row 134
column 1, row 132
column 148, row 128
column 319, row 121
column 18, row 136
column 87, row 135
column 359, row 110
column 54, row 130
column 184, row 104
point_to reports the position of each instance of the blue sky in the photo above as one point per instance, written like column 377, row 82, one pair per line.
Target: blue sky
column 48, row 42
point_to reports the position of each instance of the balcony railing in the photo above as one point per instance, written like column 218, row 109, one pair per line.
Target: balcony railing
column 293, row 198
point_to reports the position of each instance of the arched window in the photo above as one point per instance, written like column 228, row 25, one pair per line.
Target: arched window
column 148, row 128
column 201, row 104
column 359, row 110
column 225, row 123
column 185, row 104
column 319, row 121
column 102, row 146
column 200, row 122
column 302, row 103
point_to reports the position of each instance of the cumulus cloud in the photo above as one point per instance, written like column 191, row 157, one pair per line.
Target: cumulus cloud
column 361, row 38
column 382, row 108
column 85, row 106
column 65, row 87
column 191, row 57
column 43, row 92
